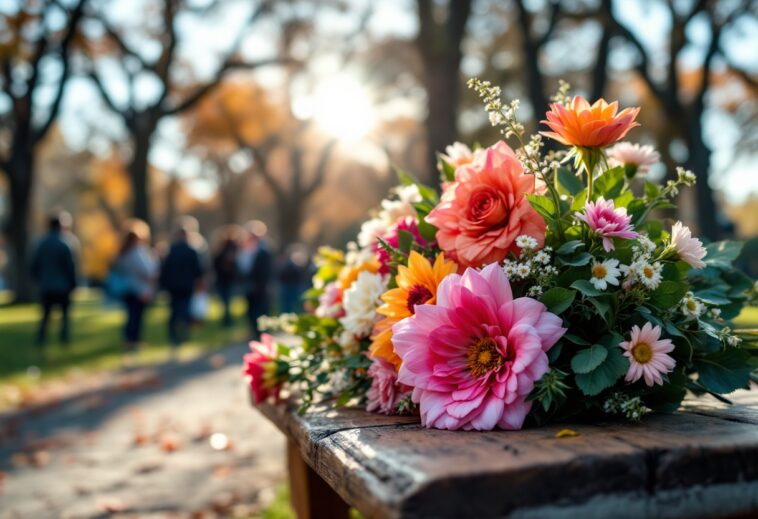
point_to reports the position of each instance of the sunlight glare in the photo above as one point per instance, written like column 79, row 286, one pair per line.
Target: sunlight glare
column 342, row 108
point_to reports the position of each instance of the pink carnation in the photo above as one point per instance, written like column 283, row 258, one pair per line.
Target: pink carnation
column 473, row 358
column 385, row 392
column 330, row 301
column 260, row 369
column 607, row 221
column 392, row 237
column 480, row 215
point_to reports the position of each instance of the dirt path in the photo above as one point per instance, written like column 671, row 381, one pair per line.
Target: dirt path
column 173, row 441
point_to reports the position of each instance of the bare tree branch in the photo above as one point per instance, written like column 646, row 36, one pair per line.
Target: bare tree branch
column 319, row 172
column 105, row 95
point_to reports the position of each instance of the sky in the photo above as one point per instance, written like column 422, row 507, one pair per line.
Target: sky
column 85, row 120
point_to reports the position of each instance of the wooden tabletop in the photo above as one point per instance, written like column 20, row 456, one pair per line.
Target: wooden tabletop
column 701, row 462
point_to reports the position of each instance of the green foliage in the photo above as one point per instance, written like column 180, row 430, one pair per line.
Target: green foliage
column 724, row 371
column 588, row 359
column 543, row 205
column 558, row 299
column 610, row 184
column 608, row 372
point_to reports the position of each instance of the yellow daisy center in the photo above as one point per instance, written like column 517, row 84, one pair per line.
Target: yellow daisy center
column 483, row 357
column 691, row 305
column 599, row 271
column 648, row 271
column 642, row 352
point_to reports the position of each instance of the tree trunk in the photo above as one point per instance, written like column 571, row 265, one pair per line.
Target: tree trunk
column 20, row 174
column 138, row 168
column 290, row 213
column 443, row 93
column 699, row 162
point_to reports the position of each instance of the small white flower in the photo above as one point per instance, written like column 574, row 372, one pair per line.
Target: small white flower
column 646, row 244
column 649, row 275
column 360, row 303
column 605, row 273
column 715, row 312
column 370, row 231
column 733, row 340
column 526, row 242
column 542, row 257
column 523, row 270
column 534, row 291
column 692, row 308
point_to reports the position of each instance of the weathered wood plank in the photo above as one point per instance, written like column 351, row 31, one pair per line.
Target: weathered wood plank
column 311, row 496
column 703, row 462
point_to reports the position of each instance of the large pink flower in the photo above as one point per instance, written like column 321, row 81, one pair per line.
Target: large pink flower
column 392, row 237
column 385, row 392
column 480, row 214
column 473, row 358
column 260, row 369
column 607, row 221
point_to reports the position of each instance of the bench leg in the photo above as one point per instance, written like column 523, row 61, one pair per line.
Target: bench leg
column 311, row 496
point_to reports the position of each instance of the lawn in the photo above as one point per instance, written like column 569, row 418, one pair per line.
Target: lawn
column 96, row 343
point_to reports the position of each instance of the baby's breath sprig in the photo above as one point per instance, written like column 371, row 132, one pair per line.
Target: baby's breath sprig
column 500, row 114
column 561, row 96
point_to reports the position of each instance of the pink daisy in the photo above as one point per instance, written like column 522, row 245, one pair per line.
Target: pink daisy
column 473, row 358
column 648, row 355
column 689, row 249
column 607, row 221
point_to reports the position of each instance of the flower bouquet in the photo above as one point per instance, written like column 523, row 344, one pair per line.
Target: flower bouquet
column 538, row 286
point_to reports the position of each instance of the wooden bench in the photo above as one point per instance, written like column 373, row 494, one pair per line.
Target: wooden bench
column 701, row 462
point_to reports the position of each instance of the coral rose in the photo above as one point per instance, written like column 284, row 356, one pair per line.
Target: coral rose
column 595, row 126
column 474, row 357
column 480, row 214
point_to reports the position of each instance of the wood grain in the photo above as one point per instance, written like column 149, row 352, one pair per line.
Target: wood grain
column 700, row 462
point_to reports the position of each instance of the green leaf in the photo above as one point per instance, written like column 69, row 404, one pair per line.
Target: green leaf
column 605, row 375
column 558, row 299
column 586, row 288
column 713, row 296
column 610, row 184
column 588, row 359
column 668, row 294
column 722, row 254
column 602, row 308
column 725, row 371
column 569, row 247
column 652, row 190
column 405, row 178
column 427, row 230
column 579, row 201
column 446, row 169
column 405, row 241
column 571, row 183
column 578, row 260
column 624, row 199
column 543, row 205
column 577, row 340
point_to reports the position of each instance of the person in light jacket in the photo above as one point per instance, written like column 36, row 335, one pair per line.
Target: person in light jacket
column 137, row 265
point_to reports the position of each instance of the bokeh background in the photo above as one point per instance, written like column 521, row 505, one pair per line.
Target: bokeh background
column 295, row 112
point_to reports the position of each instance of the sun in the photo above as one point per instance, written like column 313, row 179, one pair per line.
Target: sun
column 343, row 108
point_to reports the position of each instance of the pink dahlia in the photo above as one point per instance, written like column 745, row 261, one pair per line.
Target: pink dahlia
column 260, row 369
column 458, row 154
column 607, row 221
column 648, row 355
column 385, row 392
column 392, row 237
column 473, row 358
column 690, row 249
column 480, row 215
column 632, row 154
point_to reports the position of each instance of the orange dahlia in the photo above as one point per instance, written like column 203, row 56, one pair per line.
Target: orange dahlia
column 349, row 274
column 416, row 285
column 585, row 126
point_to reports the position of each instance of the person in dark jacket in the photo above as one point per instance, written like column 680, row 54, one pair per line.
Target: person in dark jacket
column 255, row 265
column 293, row 278
column 225, row 269
column 54, row 270
column 181, row 275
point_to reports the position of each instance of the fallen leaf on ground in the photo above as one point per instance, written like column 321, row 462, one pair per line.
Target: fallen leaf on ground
column 170, row 442
column 110, row 505
column 566, row 433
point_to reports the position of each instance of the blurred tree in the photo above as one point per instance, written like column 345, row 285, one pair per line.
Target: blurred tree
column 441, row 31
column 35, row 47
column 682, row 97
column 140, row 116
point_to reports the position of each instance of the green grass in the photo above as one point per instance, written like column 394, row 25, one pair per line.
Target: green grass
column 96, row 340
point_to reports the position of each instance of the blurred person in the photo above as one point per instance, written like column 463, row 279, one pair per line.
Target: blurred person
column 225, row 269
column 136, row 268
column 181, row 277
column 54, row 270
column 255, row 265
column 293, row 277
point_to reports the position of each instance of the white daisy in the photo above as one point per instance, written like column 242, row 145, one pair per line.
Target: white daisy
column 526, row 242
column 649, row 275
column 605, row 273
column 542, row 257
column 692, row 308
column 523, row 270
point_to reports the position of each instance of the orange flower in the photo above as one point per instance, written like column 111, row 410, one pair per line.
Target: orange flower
column 416, row 285
column 586, row 126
